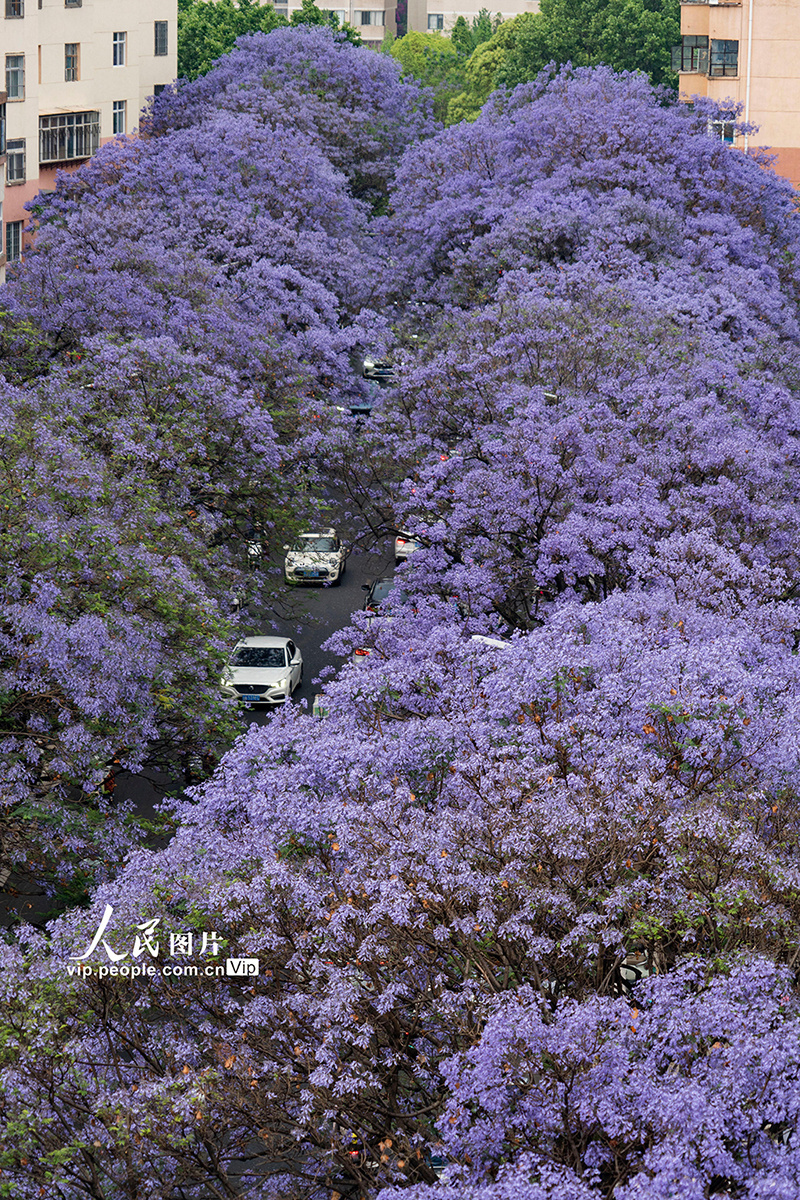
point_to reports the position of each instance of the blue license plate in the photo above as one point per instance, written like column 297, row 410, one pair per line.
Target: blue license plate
column 248, row 699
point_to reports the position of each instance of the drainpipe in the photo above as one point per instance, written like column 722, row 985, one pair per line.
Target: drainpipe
column 749, row 68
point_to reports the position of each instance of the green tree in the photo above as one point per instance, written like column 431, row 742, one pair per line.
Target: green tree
column 207, row 29
column 628, row 35
column 482, row 70
column 467, row 38
column 435, row 62
column 309, row 14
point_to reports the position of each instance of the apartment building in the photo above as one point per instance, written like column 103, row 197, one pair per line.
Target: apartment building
column 748, row 52
column 426, row 15
column 77, row 72
column 2, row 176
column 435, row 16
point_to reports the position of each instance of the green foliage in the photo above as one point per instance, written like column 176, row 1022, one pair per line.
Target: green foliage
column 207, row 29
column 434, row 61
column 466, row 38
column 429, row 57
column 309, row 14
column 483, row 68
column 439, row 62
column 627, row 35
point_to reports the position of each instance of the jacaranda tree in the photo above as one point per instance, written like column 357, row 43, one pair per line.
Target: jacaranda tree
column 523, row 907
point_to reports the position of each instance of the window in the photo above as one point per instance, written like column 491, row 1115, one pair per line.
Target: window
column 2, row 129
column 14, row 240
column 15, row 76
column 15, row 162
column 68, row 136
column 15, row 8
column 724, row 128
column 118, row 116
column 69, row 3
column 71, row 67
column 691, row 55
column 119, row 49
column 435, row 20
column 373, row 18
column 158, row 89
column 724, row 58
column 161, row 36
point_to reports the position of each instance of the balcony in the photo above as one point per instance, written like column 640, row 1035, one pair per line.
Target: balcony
column 68, row 137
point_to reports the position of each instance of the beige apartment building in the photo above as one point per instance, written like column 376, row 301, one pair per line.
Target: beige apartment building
column 438, row 17
column 77, row 72
column 423, row 15
column 747, row 51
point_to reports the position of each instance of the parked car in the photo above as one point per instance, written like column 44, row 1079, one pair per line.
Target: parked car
column 404, row 545
column 315, row 558
column 379, row 368
column 379, row 593
column 379, row 590
column 263, row 671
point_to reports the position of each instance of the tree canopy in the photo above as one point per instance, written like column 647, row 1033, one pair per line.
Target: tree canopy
column 207, row 29
column 627, row 35
column 524, row 904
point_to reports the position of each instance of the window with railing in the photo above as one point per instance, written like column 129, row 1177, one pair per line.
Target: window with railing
column 724, row 58
column 15, row 161
column 65, row 137
column 691, row 57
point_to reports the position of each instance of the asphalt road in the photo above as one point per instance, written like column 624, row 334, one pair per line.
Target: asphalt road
column 312, row 615
column 319, row 612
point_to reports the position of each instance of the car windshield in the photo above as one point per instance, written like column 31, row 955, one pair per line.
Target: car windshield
column 259, row 656
column 314, row 545
column 383, row 589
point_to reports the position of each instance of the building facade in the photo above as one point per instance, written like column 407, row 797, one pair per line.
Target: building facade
column 431, row 16
column 77, row 72
column 748, row 52
column 434, row 16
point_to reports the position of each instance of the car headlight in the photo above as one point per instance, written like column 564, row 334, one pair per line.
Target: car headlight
column 281, row 685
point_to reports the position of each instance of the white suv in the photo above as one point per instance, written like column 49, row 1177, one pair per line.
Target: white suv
column 263, row 671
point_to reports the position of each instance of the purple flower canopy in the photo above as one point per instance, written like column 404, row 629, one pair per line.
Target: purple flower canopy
column 524, row 905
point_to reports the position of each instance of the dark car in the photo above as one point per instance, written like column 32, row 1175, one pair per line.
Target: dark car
column 379, row 589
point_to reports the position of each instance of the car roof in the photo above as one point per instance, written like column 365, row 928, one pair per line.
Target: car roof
column 320, row 533
column 262, row 641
